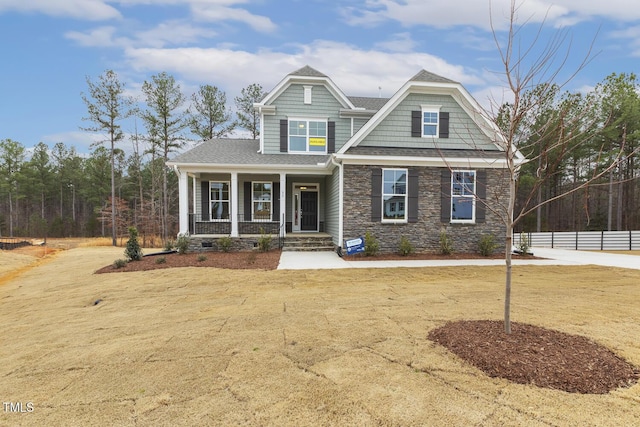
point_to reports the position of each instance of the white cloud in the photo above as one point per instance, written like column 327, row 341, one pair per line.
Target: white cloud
column 90, row 10
column 214, row 13
column 444, row 14
column 82, row 141
column 231, row 70
column 97, row 37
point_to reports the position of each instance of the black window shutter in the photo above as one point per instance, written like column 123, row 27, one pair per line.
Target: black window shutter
column 331, row 139
column 275, row 196
column 444, row 125
column 481, row 193
column 416, row 124
column 284, row 136
column 445, row 196
column 376, row 195
column 412, row 190
column 204, row 195
column 247, row 201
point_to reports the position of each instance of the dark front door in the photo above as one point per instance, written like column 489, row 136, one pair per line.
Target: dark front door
column 309, row 207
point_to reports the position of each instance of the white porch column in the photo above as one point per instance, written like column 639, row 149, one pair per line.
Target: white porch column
column 283, row 203
column 234, row 204
column 183, row 201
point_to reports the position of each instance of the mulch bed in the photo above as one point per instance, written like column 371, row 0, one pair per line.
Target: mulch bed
column 231, row 260
column 538, row 356
column 426, row 256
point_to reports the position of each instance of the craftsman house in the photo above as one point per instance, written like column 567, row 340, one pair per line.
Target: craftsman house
column 337, row 166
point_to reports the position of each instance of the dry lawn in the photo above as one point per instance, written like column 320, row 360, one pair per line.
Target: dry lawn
column 207, row 346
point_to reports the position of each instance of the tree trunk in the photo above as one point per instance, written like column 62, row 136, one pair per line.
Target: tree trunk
column 113, row 194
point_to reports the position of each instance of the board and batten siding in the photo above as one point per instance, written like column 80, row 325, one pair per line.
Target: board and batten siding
column 291, row 104
column 395, row 128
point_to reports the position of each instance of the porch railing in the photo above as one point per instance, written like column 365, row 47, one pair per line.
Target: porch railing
column 200, row 225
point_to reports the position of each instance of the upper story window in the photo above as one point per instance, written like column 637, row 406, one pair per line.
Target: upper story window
column 463, row 196
column 219, row 200
column 430, row 121
column 394, row 195
column 307, row 136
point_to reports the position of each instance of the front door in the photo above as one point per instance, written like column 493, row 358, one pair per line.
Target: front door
column 309, row 211
column 305, row 207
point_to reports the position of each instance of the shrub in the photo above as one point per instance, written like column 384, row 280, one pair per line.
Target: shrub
column 161, row 260
column 264, row 242
column 523, row 244
column 405, row 247
column 224, row 243
column 119, row 263
column 182, row 244
column 169, row 244
column 487, row 244
column 371, row 245
column 133, row 252
column 202, row 258
column 446, row 245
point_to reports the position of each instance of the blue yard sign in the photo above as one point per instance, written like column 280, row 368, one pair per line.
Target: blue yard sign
column 354, row 246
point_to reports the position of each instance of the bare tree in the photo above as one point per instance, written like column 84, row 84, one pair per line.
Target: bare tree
column 526, row 67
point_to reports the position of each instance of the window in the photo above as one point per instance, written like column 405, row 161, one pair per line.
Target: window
column 394, row 194
column 261, row 200
column 219, row 200
column 430, row 121
column 307, row 136
column 463, row 200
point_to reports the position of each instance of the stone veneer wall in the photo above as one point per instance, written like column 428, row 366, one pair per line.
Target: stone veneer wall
column 238, row 244
column 424, row 235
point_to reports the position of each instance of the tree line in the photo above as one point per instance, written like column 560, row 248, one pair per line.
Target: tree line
column 59, row 192
column 583, row 169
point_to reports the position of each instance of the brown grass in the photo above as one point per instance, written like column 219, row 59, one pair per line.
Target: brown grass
column 208, row 346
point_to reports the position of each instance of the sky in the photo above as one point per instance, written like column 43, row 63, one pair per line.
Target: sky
column 48, row 49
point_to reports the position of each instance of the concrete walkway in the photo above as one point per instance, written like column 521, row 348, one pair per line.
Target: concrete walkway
column 331, row 260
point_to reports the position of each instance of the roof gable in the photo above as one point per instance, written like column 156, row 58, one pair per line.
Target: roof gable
column 307, row 75
column 429, row 83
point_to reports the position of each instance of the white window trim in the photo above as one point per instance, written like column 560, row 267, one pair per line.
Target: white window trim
column 306, row 119
column 406, row 197
column 254, row 201
column 430, row 109
column 472, row 196
column 228, row 201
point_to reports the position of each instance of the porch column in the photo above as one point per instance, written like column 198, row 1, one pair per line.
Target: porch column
column 234, row 204
column 183, row 201
column 283, row 203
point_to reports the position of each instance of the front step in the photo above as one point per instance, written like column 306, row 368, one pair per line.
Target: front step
column 308, row 243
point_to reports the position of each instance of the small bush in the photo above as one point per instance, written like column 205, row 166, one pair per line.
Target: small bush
column 264, row 242
column 169, row 244
column 119, row 263
column 446, row 245
column 523, row 244
column 202, row 258
column 182, row 244
column 405, row 247
column 487, row 244
column 161, row 260
column 224, row 243
column 133, row 252
column 371, row 245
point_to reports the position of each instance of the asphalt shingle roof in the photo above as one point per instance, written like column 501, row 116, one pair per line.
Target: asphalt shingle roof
column 307, row 71
column 368, row 103
column 227, row 151
column 426, row 76
column 423, row 152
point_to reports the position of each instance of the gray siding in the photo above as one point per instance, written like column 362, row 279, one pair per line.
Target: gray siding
column 291, row 104
column 395, row 129
column 332, row 206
